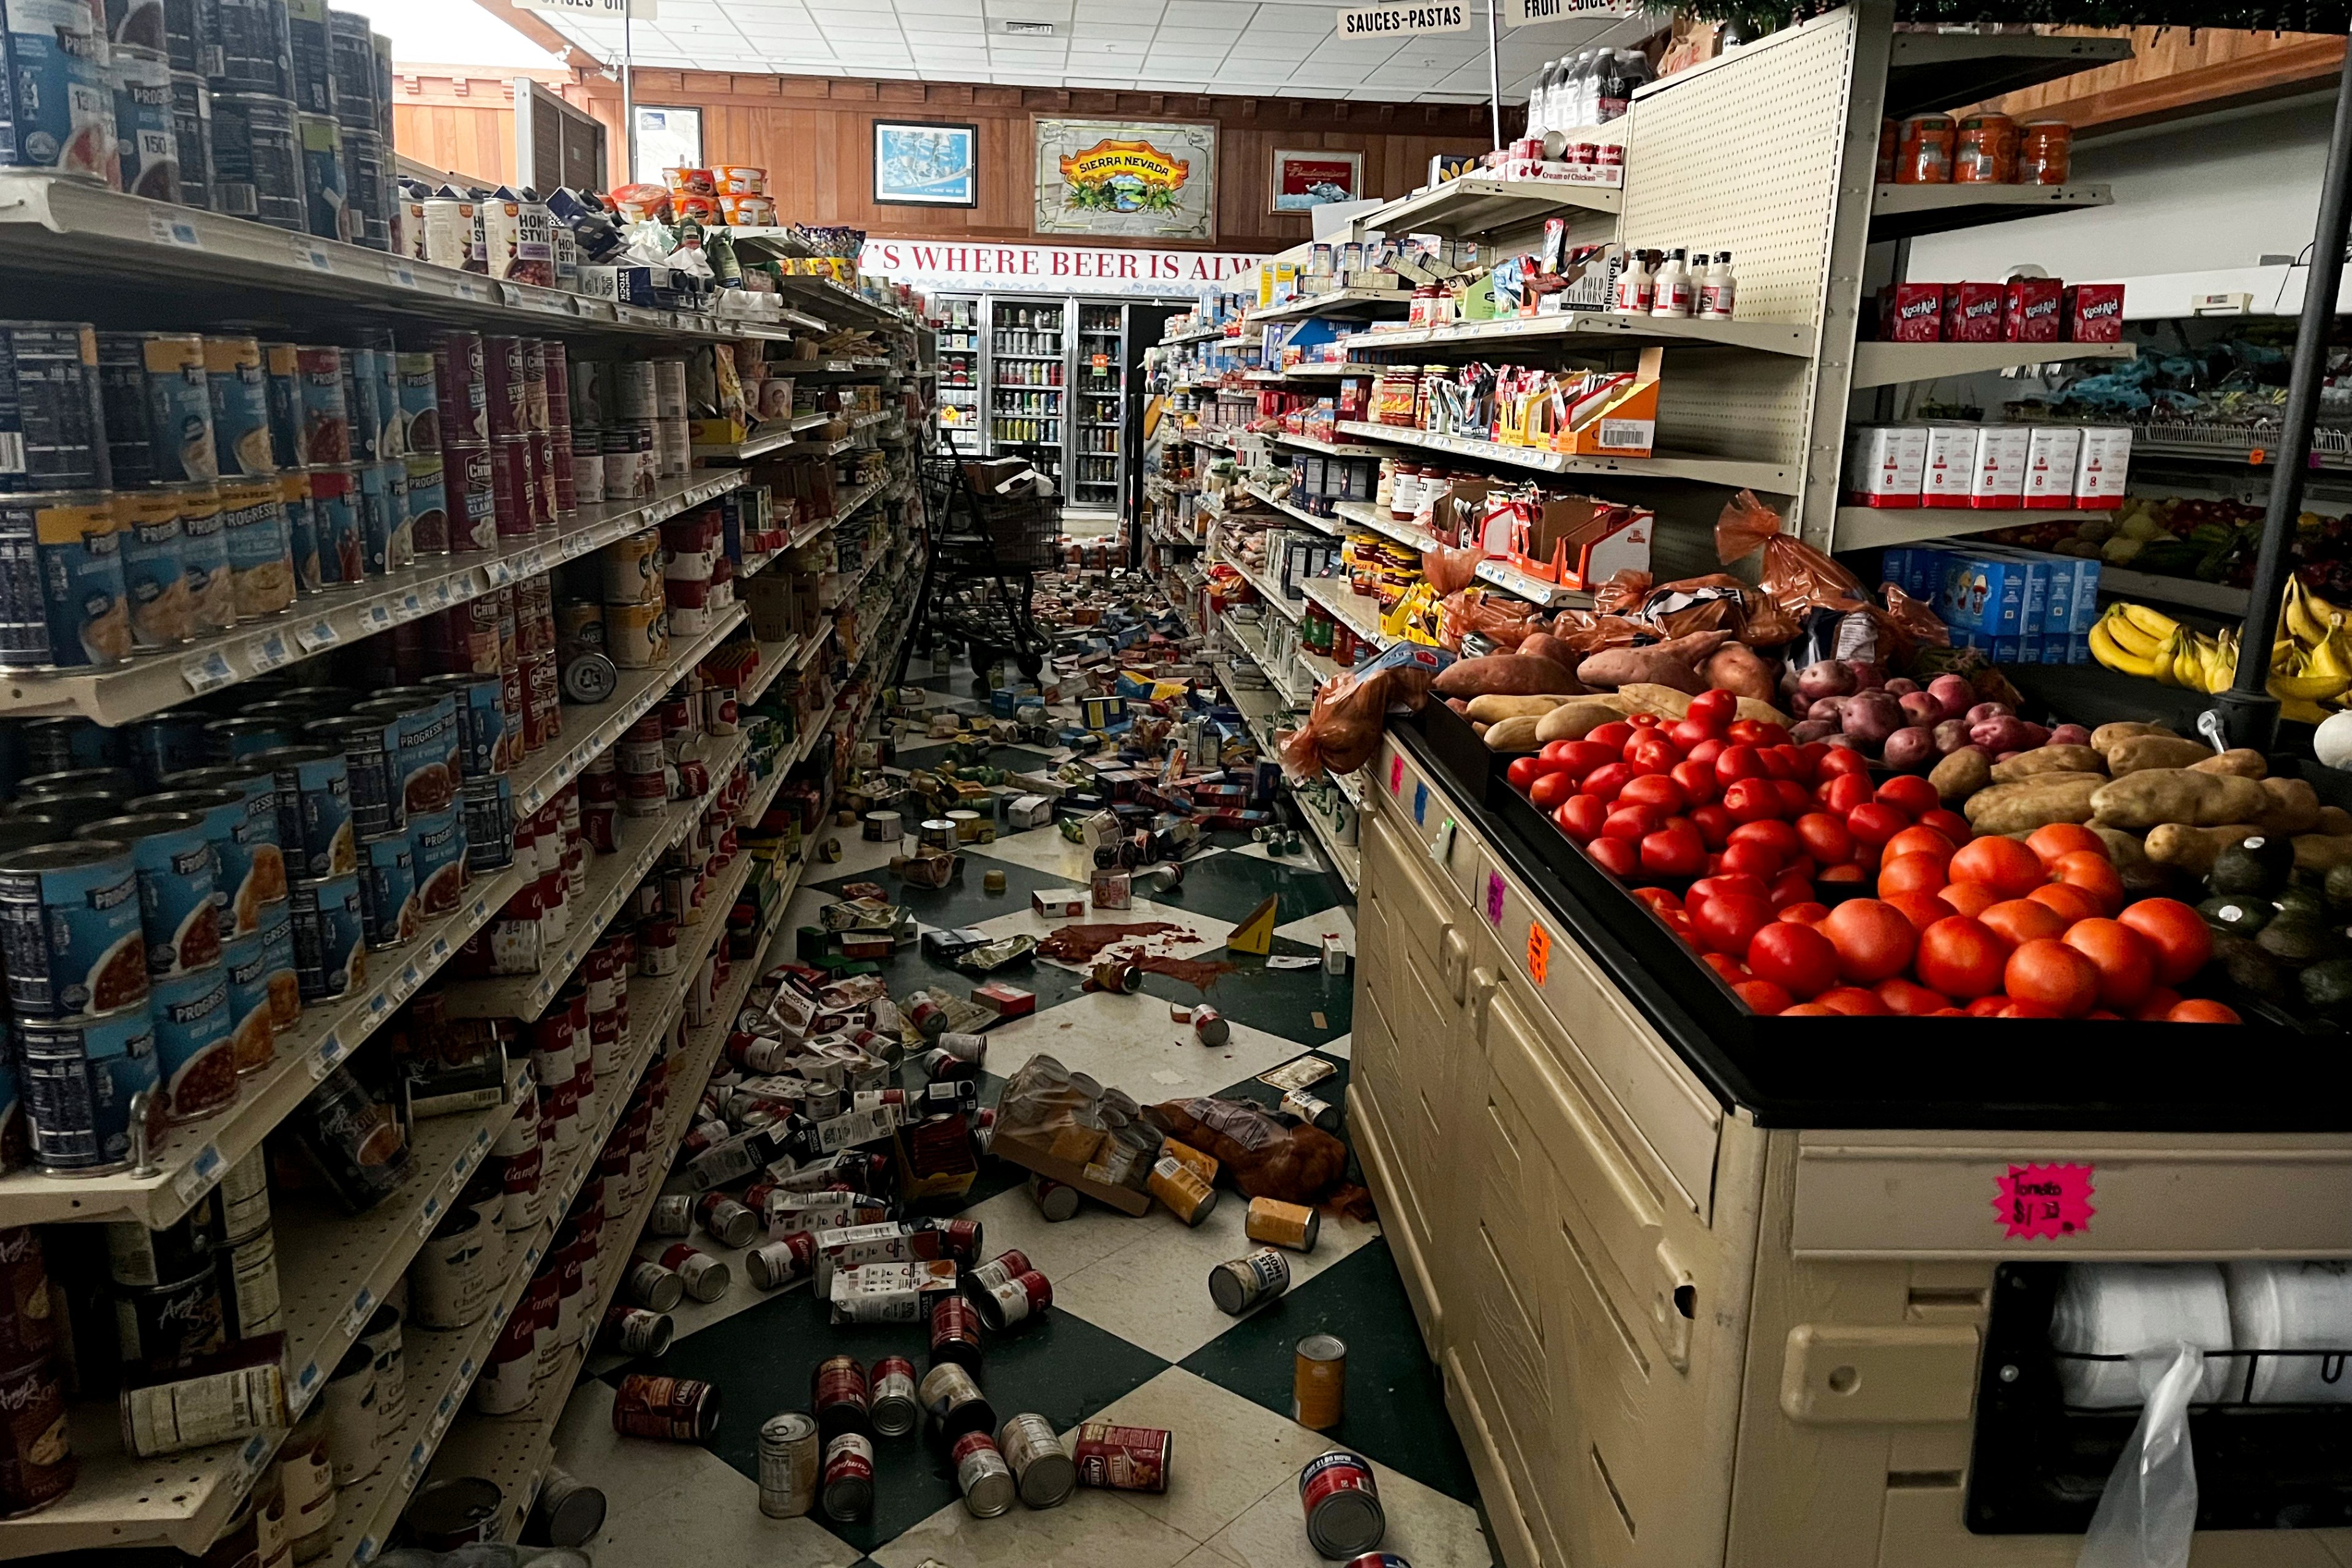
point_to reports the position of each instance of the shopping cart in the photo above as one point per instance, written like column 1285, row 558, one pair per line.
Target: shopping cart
column 995, row 523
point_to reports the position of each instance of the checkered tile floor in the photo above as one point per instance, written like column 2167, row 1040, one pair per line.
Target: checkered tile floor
column 1133, row 1336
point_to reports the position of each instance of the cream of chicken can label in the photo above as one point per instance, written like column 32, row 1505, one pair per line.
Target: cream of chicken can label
column 63, row 602
column 260, row 548
column 193, row 1049
column 69, row 930
column 79, row 1076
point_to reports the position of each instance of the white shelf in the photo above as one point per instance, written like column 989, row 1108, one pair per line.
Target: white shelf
column 1608, row 330
column 152, row 682
column 1359, row 613
column 1473, row 205
column 1260, row 655
column 1863, row 527
column 1346, row 859
column 1888, row 365
column 1905, row 212
column 1337, row 302
column 1732, row 472
column 1367, row 514
column 1330, row 525
column 1331, row 449
column 2216, row 598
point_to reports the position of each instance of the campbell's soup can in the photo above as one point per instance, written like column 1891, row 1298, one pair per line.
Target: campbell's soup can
column 890, row 1400
column 781, row 1261
column 840, row 1397
column 705, row 1278
column 677, row 1408
column 848, row 1488
column 981, row 1475
column 469, row 492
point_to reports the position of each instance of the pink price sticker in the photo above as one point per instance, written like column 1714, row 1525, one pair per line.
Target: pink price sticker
column 2045, row 1203
column 1494, row 899
column 1396, row 774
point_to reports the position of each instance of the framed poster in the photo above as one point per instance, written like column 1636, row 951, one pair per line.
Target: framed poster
column 1304, row 180
column 1132, row 179
column 920, row 163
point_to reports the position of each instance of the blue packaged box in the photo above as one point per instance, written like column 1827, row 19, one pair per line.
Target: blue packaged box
column 1001, row 703
column 2058, row 613
column 1983, row 592
column 2086, row 602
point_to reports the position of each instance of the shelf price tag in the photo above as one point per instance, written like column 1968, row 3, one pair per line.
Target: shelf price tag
column 165, row 229
column 1538, row 951
column 312, row 255
column 427, row 1216
column 438, row 595
column 1494, row 899
column 267, row 653
column 202, row 1173
column 376, row 618
column 412, row 605
column 401, row 273
column 363, row 1303
column 331, row 1051
column 498, row 573
column 316, row 635
column 305, row 1382
column 208, row 673
column 466, row 289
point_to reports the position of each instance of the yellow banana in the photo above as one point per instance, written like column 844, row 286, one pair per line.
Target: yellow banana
column 2126, row 635
column 2109, row 651
column 2154, row 622
column 2301, row 711
column 2296, row 619
column 2166, row 659
column 2217, row 662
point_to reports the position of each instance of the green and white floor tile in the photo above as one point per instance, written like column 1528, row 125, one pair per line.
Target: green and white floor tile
column 1133, row 1336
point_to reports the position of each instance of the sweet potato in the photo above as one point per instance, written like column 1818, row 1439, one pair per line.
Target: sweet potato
column 2150, row 797
column 2032, row 803
column 1574, row 720
column 2243, row 761
column 1736, row 669
column 1961, row 773
column 2046, row 759
column 1543, row 645
column 1504, row 675
column 1671, row 663
column 2320, row 853
column 1515, row 734
column 2334, row 821
column 2137, row 753
column 2193, row 849
column 2294, row 807
column 1492, row 708
column 2106, row 735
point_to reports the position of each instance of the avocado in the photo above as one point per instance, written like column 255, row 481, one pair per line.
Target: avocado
column 2328, row 986
column 2247, row 965
column 2298, row 940
column 2261, row 864
column 2302, row 901
column 2339, row 889
column 2242, row 915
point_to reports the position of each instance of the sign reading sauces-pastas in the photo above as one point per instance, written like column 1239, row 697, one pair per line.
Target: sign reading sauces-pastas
column 1388, row 21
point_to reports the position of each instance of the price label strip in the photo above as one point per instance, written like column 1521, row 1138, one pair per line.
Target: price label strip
column 202, row 1173
column 165, row 229
column 267, row 653
column 208, row 673
column 1538, row 951
column 316, row 635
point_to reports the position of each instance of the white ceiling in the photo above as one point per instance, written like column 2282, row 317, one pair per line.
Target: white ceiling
column 1286, row 48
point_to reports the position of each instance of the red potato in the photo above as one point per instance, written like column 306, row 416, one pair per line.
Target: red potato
column 1506, row 675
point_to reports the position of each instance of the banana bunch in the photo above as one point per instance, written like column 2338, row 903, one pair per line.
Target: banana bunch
column 2310, row 662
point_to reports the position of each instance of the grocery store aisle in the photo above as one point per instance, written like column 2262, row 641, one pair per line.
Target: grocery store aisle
column 1133, row 1336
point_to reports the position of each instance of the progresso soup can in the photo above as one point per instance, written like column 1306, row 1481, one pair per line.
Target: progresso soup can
column 429, row 504
column 255, row 49
column 63, row 603
column 136, row 26
column 152, row 537
column 52, row 427
column 146, row 152
column 159, row 416
column 301, row 528
column 242, row 827
column 79, row 1076
column 191, row 133
column 193, row 1053
column 388, row 890
column 178, row 874
column 330, row 936
column 238, row 386
column 259, row 549
column 69, row 930
column 436, row 842
column 427, row 744
column 61, row 116
column 257, row 161
column 323, row 195
column 203, row 551
column 395, row 546
column 314, row 809
column 252, row 1025
column 342, row 535
column 478, row 704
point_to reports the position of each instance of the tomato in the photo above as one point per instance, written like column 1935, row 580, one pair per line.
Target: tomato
column 1910, row 874
column 1873, row 824
column 1653, row 789
column 1795, row 798
column 1652, row 754
column 2126, row 962
column 1847, row 875
column 1844, row 793
column 1947, row 1013
column 2199, row 1010
column 2092, row 871
column 1838, row 762
column 1779, row 762
column 1658, row 897
column 2017, row 1009
column 2160, row 1001
column 1950, row 823
column 1970, row 898
column 1757, row 732
column 1731, row 969
column 1874, row 939
column 1961, row 957
column 1616, row 856
column 1922, row 910
column 1643, row 720
column 1804, row 914
column 2069, row 901
column 1774, row 834
column 1706, row 751
column 1603, row 783
column 1550, row 791
column 1581, row 817
column 1796, row 958
column 1751, row 859
column 1809, row 1010
column 1910, row 999
column 1737, row 762
column 1707, row 888
column 1523, row 772
column 1673, row 850
column 1988, row 1006
column 2051, row 975
column 2004, row 865
column 2053, row 839
column 1685, row 734
column 1853, row 1002
column 1631, row 822
column 1813, row 752
column 1714, row 823
column 1576, row 758
column 2020, row 921
column 1909, row 794
column 1697, row 781
column 2180, row 936
column 1729, row 922
column 1714, row 709
column 1917, row 840
column 1676, row 922
column 1824, row 836
column 1762, row 997
column 1752, row 800
column 1613, row 735
column 1792, row 888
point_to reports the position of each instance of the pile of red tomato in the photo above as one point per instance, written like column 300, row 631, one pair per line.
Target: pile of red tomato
column 2039, row 928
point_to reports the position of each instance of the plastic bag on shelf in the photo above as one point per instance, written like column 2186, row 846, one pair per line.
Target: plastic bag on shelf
column 1502, row 622
column 1449, row 569
column 1343, row 729
column 1794, row 574
column 1266, row 1158
column 2147, row 1513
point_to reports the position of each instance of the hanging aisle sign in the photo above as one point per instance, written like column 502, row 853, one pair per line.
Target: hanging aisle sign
column 1526, row 13
column 1050, row 269
column 602, row 10
column 1394, row 21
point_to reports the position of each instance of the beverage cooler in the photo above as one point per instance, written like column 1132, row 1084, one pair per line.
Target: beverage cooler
column 1029, row 348
column 962, row 374
column 1098, row 442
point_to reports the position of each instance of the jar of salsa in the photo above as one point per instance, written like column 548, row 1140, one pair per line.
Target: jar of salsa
column 2045, row 153
column 1986, row 153
column 1924, row 155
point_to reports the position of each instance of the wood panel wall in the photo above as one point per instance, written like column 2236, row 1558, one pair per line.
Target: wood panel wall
column 814, row 136
column 2179, row 71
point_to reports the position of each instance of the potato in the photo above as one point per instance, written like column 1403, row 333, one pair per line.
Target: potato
column 2032, row 803
column 1762, row 712
column 1734, row 667
column 2294, row 807
column 1666, row 701
column 2152, row 796
column 2046, row 759
column 1543, row 645
column 1574, row 720
column 2135, row 754
column 2320, row 853
column 2138, row 869
column 2243, row 761
column 2106, row 735
column 1506, row 674
column 2334, row 821
column 1961, row 773
column 1493, row 706
column 1515, row 734
column 2193, row 849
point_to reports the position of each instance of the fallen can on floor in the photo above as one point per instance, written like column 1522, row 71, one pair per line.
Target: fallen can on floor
column 677, row 1408
column 1342, row 1503
column 1123, row 1458
column 791, row 1455
column 1042, row 1469
column 1319, row 1382
column 983, row 1475
column 1240, row 1283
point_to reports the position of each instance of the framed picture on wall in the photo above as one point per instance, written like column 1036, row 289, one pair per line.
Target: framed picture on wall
column 925, row 163
column 1125, row 178
column 1304, row 180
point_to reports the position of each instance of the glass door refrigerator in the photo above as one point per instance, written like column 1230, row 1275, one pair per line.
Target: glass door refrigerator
column 1099, row 444
column 963, row 363
column 1029, row 380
